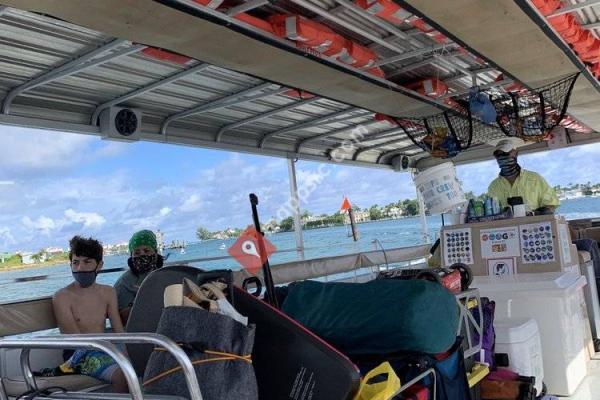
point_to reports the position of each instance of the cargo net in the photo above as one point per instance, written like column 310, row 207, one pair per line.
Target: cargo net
column 442, row 135
column 532, row 114
column 485, row 134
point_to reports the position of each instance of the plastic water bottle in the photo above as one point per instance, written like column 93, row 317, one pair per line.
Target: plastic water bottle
column 471, row 209
column 479, row 209
column 496, row 206
column 488, row 206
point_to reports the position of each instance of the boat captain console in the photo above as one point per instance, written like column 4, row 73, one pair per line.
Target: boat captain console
column 531, row 270
column 510, row 246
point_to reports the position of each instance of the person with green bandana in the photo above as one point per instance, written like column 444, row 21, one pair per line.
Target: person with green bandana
column 144, row 258
column 514, row 181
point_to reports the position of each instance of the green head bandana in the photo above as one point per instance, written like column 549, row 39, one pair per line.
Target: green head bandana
column 142, row 238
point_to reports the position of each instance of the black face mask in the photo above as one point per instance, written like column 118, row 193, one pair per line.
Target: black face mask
column 85, row 278
column 142, row 264
column 509, row 167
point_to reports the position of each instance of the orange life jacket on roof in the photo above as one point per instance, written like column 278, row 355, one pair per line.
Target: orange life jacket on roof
column 298, row 94
column 546, row 7
column 432, row 87
column 383, row 117
column 307, row 33
column 256, row 22
column 592, row 54
column 358, row 56
column 428, row 30
column 583, row 41
column 377, row 72
column 164, row 55
column 566, row 25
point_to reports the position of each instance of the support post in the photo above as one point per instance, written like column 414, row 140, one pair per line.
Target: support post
column 298, row 233
column 353, row 224
column 423, row 217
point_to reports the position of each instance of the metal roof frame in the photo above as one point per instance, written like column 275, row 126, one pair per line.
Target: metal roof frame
column 226, row 101
column 305, row 141
column 200, row 105
column 138, row 92
column 78, row 64
column 263, row 116
column 377, row 146
column 338, row 116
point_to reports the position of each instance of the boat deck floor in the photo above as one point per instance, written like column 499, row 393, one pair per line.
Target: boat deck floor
column 590, row 387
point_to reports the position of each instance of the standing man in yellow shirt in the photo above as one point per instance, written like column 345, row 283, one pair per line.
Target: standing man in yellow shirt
column 515, row 181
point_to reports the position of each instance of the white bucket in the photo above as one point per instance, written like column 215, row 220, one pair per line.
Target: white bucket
column 439, row 188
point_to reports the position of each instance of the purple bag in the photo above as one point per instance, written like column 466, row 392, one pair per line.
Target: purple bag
column 488, row 340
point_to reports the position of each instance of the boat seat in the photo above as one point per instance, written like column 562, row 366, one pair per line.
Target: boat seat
column 147, row 309
column 16, row 386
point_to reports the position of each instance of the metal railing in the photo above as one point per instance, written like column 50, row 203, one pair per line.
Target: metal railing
column 105, row 343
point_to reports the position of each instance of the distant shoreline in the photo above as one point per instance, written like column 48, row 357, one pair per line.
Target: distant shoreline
column 31, row 266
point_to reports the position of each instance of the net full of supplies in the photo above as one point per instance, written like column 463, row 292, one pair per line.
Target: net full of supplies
column 442, row 135
column 446, row 134
column 531, row 114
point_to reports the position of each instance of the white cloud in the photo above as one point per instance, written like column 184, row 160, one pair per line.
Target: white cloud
column 7, row 183
column 164, row 211
column 27, row 152
column 29, row 149
column 192, row 203
column 88, row 219
column 43, row 224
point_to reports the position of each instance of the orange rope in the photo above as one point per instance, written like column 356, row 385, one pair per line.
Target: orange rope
column 224, row 357
column 247, row 358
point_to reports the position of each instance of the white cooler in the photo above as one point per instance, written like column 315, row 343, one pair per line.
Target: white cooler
column 555, row 301
column 520, row 339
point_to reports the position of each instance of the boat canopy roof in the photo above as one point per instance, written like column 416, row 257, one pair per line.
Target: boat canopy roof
column 219, row 78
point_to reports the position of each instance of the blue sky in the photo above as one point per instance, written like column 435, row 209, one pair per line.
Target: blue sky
column 54, row 185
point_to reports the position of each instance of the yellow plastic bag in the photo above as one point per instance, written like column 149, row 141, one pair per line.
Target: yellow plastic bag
column 382, row 390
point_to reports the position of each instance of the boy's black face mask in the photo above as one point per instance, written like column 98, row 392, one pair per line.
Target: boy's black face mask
column 85, row 278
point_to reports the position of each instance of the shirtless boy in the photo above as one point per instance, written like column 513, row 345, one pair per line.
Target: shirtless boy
column 82, row 307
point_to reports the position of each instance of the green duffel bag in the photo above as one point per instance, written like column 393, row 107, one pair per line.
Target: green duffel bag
column 377, row 317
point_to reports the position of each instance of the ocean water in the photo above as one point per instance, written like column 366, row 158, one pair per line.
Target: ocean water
column 318, row 242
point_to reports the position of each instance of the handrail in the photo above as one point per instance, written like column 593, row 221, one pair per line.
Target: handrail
column 106, row 347
column 153, row 338
column 26, row 370
column 3, row 395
